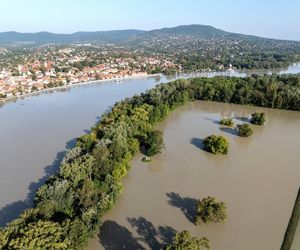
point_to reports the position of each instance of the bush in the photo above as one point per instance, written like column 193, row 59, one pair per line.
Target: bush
column 244, row 130
column 184, row 240
column 227, row 122
column 210, row 210
column 216, row 144
column 154, row 143
column 258, row 118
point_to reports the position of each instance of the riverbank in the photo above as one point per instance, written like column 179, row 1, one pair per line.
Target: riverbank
column 293, row 69
column 82, row 182
column 251, row 179
column 119, row 80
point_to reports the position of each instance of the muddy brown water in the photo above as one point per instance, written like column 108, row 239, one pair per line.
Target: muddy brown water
column 258, row 180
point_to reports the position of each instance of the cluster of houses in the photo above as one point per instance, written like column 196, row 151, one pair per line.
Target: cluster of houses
column 38, row 76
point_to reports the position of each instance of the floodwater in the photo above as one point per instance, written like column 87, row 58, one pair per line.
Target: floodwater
column 258, row 180
column 36, row 131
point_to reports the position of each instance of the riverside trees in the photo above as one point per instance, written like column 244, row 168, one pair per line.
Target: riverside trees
column 89, row 181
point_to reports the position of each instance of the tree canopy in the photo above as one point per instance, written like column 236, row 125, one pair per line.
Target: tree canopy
column 227, row 122
column 71, row 203
column 216, row 144
column 244, row 130
column 184, row 241
column 210, row 210
column 258, row 118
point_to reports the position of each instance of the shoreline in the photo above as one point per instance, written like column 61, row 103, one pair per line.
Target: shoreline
column 67, row 86
column 182, row 74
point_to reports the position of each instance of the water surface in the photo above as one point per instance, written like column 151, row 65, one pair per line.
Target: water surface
column 258, row 180
column 36, row 131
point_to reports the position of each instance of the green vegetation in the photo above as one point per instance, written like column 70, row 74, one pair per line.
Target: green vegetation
column 71, row 203
column 216, row 144
column 244, row 130
column 258, row 118
column 184, row 241
column 227, row 122
column 154, row 143
column 210, row 210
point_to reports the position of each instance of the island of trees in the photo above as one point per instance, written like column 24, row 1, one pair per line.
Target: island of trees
column 258, row 118
column 210, row 210
column 244, row 130
column 227, row 122
column 69, row 206
column 216, row 144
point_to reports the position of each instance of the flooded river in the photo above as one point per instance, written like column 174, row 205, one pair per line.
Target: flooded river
column 35, row 132
column 258, row 180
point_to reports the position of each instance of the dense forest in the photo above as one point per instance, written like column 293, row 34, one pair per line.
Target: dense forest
column 69, row 206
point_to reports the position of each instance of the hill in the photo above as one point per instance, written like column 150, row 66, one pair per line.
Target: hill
column 119, row 36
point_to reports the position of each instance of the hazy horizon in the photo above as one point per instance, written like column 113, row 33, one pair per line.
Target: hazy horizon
column 273, row 19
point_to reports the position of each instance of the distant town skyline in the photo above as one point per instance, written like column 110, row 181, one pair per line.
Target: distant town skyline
column 274, row 19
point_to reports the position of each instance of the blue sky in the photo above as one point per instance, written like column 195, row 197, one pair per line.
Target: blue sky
column 270, row 18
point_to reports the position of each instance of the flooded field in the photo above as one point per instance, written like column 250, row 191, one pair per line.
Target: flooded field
column 258, row 180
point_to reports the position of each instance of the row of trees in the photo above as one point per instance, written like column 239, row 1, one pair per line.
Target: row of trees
column 68, row 207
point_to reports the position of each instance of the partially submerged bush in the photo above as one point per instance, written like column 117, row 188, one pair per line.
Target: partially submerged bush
column 216, row 144
column 227, row 122
column 184, row 240
column 210, row 210
column 244, row 130
column 258, row 118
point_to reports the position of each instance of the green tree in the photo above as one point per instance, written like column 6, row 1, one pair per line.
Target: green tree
column 154, row 143
column 227, row 122
column 184, row 241
column 210, row 210
column 244, row 130
column 216, row 144
column 258, row 118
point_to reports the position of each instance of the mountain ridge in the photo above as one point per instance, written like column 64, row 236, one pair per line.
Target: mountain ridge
column 120, row 36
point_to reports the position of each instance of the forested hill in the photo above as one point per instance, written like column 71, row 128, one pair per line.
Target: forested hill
column 121, row 36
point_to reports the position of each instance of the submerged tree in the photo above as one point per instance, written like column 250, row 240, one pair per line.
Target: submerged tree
column 244, row 130
column 227, row 122
column 216, row 144
column 210, row 210
column 258, row 118
column 184, row 241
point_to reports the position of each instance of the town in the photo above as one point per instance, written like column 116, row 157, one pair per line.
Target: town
column 56, row 66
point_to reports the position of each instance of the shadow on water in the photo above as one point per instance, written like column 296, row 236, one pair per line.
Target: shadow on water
column 212, row 120
column 228, row 130
column 197, row 142
column 154, row 238
column 146, row 231
column 242, row 119
column 115, row 237
column 13, row 210
column 186, row 204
